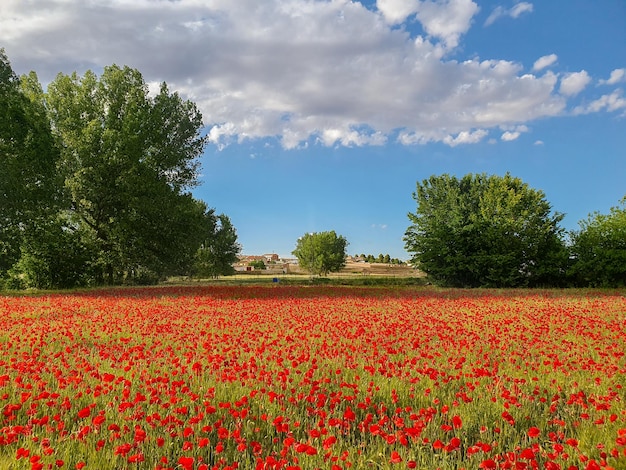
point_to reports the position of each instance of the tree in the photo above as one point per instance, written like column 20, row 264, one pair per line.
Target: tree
column 599, row 249
column 321, row 253
column 257, row 264
column 51, row 256
column 219, row 249
column 28, row 158
column 485, row 231
column 127, row 161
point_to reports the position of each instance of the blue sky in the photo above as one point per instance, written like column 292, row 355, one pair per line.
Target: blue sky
column 323, row 115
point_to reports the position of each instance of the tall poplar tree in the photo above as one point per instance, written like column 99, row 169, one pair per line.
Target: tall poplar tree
column 129, row 160
column 28, row 158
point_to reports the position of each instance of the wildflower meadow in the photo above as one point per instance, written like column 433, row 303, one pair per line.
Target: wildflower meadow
column 313, row 377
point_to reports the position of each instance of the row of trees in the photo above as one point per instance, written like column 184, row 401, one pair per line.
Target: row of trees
column 496, row 231
column 386, row 259
column 95, row 183
column 492, row 231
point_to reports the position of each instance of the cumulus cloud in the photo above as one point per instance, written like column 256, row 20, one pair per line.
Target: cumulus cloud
column 513, row 133
column 304, row 72
column 445, row 20
column 509, row 136
column 612, row 102
column 545, row 61
column 397, row 11
column 514, row 12
column 466, row 137
column 617, row 76
column 574, row 83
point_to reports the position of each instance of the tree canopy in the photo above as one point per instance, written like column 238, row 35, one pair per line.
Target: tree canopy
column 599, row 249
column 321, row 252
column 219, row 249
column 484, row 230
column 96, row 179
column 127, row 159
column 28, row 158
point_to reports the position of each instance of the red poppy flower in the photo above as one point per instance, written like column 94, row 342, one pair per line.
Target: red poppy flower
column 395, row 457
column 533, row 432
column 456, row 422
column 186, row 462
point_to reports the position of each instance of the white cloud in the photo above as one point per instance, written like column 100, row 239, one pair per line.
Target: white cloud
column 513, row 133
column 466, row 137
column 617, row 76
column 520, row 8
column 509, row 136
column 545, row 61
column 397, row 11
column 304, row 72
column 445, row 20
column 611, row 103
column 539, row 142
column 514, row 12
column 574, row 83
column 351, row 137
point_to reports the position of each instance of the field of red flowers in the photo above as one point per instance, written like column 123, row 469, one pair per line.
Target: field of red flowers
column 285, row 377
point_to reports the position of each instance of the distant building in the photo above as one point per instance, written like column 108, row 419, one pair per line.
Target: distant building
column 273, row 263
column 243, row 269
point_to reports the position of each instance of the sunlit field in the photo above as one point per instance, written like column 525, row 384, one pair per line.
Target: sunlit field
column 285, row 377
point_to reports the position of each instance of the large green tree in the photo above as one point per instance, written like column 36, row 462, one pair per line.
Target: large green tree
column 28, row 158
column 219, row 249
column 321, row 252
column 599, row 249
column 483, row 230
column 128, row 160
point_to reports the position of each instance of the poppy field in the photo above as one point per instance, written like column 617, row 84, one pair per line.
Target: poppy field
column 313, row 377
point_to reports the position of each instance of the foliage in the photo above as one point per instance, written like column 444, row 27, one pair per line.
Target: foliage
column 219, row 249
column 94, row 183
column 599, row 249
column 380, row 259
column 52, row 256
column 315, row 377
column 257, row 264
column 485, row 231
column 321, row 252
column 127, row 160
column 28, row 157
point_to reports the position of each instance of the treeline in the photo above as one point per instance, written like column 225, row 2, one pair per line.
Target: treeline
column 492, row 231
column 95, row 183
column 386, row 259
